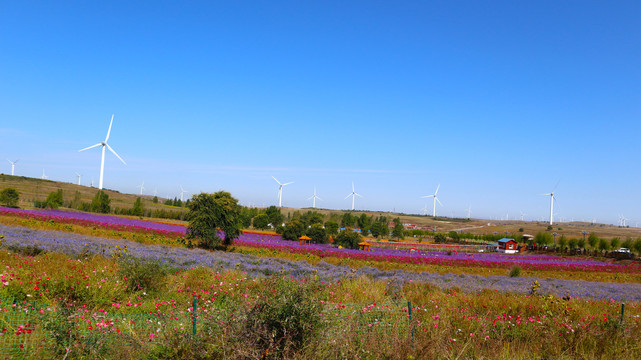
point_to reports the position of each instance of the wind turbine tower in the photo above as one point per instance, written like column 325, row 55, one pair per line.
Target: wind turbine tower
column 104, row 145
column 13, row 166
column 435, row 200
column 44, row 177
column 182, row 191
column 141, row 186
column 280, row 191
column 79, row 177
column 469, row 212
column 353, row 194
column 314, row 197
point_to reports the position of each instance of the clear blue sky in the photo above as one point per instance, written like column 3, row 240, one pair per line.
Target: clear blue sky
column 496, row 101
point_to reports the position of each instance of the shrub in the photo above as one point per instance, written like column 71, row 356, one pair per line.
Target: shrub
column 27, row 250
column 293, row 230
column 147, row 275
column 440, row 238
column 261, row 221
column 515, row 272
column 100, row 203
column 283, row 319
column 331, row 227
column 348, row 239
column 318, row 234
column 210, row 212
column 9, row 197
column 54, row 200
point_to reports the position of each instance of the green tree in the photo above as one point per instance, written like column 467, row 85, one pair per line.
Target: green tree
column 138, row 207
column 261, row 221
column 318, row 234
column 440, row 238
column 100, row 203
column 581, row 243
column 628, row 243
column 312, row 217
column 275, row 216
column 637, row 246
column 348, row 239
column 155, row 200
column 331, row 227
column 397, row 231
column 209, row 212
column 9, row 197
column 563, row 242
column 363, row 221
column 293, row 230
column 604, row 245
column 54, row 200
column 593, row 240
column 543, row 239
column 572, row 243
column 614, row 242
column 347, row 221
column 377, row 229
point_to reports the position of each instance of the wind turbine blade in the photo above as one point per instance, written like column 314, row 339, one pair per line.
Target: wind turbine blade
column 359, row 195
column 118, row 156
column 427, row 196
column 346, row 197
column 90, row 147
column 9, row 161
column 557, row 184
column 288, row 183
column 439, row 201
column 109, row 131
column 436, row 192
column 353, row 187
column 277, row 180
column 318, row 197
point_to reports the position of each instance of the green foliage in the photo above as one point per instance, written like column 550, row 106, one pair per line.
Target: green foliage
column 54, row 200
column 138, row 209
column 377, row 229
column 440, row 238
column 563, row 242
column 397, row 231
column 520, row 229
column 550, row 227
column 209, row 212
column 331, row 227
column 142, row 275
column 9, row 197
column 284, row 318
column 246, row 215
column 348, row 220
column 311, row 218
column 348, row 239
column 275, row 216
column 543, row 239
column 364, row 221
column 100, row 203
column 572, row 243
column 318, row 234
column 637, row 246
column 515, row 271
column 293, row 230
column 581, row 243
column 261, row 221
column 615, row 242
column 593, row 240
column 604, row 245
column 155, row 200
column 27, row 250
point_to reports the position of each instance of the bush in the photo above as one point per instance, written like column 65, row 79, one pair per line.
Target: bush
column 27, row 250
column 440, row 238
column 348, row 239
column 9, row 197
column 100, row 203
column 318, row 234
column 515, row 272
column 331, row 227
column 261, row 222
column 140, row 274
column 54, row 200
column 284, row 319
column 293, row 230
column 210, row 212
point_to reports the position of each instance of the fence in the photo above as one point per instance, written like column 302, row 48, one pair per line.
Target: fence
column 27, row 325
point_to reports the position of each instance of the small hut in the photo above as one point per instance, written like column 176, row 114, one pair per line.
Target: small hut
column 305, row 240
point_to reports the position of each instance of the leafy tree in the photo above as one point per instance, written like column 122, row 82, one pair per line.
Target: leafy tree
column 628, row 243
column 312, row 217
column 604, row 245
column 573, row 242
column 318, row 234
column 543, row 239
column 614, row 242
column 209, row 212
column 347, row 221
column 637, row 246
column 440, row 238
column 293, row 230
column 169, row 202
column 100, row 203
column 593, row 240
column 563, row 242
column 364, row 231
column 261, row 221
column 331, row 227
column 397, row 231
column 581, row 243
column 246, row 215
column 155, row 200
column 377, row 229
column 138, row 207
column 275, row 216
column 9, row 197
column 348, row 239
column 363, row 221
column 54, row 200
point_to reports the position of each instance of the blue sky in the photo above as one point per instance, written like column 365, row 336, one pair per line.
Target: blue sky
column 496, row 101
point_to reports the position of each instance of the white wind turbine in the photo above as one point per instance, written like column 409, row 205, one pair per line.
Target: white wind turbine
column 469, row 212
column 435, row 200
column 79, row 177
column 522, row 214
column 280, row 191
column 44, row 177
column 314, row 197
column 13, row 165
column 182, row 191
column 142, row 187
column 424, row 209
column 353, row 194
column 102, row 161
column 552, row 199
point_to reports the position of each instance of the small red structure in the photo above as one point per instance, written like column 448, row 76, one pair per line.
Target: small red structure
column 305, row 240
column 414, row 249
column 363, row 246
column 508, row 246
